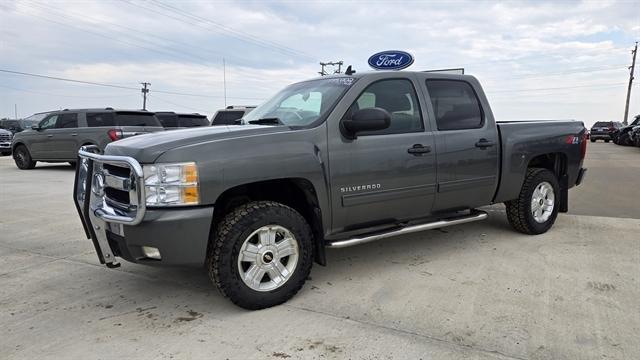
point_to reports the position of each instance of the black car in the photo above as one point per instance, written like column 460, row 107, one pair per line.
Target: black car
column 230, row 115
column 621, row 136
column 170, row 119
column 604, row 130
column 16, row 126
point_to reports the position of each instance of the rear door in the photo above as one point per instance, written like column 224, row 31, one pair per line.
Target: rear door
column 380, row 177
column 467, row 145
column 64, row 143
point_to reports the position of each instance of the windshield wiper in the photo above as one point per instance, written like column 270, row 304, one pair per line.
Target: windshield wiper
column 267, row 121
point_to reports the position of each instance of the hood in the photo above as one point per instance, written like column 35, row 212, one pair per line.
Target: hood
column 3, row 131
column 148, row 147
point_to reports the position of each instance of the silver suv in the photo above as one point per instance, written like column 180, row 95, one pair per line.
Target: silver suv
column 60, row 134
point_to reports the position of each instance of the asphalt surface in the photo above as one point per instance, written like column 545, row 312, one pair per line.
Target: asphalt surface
column 612, row 182
column 475, row 291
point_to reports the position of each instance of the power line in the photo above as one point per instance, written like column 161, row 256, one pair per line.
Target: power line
column 240, row 35
column 169, row 52
column 62, row 95
column 68, row 80
column 131, row 32
column 124, row 87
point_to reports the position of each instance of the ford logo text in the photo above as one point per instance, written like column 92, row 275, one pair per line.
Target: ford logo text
column 391, row 60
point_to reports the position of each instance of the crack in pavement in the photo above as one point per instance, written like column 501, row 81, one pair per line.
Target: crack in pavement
column 409, row 332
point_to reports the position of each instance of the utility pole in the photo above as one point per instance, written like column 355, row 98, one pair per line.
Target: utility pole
column 632, row 68
column 15, row 110
column 144, row 94
column 224, row 81
column 339, row 64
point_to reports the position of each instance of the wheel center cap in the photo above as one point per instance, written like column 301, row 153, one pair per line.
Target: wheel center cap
column 267, row 257
column 541, row 202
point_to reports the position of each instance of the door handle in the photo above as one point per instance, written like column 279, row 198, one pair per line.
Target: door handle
column 49, row 135
column 484, row 143
column 419, row 149
column 74, row 134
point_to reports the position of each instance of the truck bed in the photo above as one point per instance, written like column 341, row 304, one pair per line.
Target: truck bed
column 522, row 141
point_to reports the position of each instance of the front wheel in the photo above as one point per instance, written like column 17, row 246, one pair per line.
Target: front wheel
column 22, row 158
column 261, row 254
column 536, row 209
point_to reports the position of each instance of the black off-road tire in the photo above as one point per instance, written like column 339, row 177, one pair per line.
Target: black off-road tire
column 519, row 210
column 22, row 158
column 224, row 249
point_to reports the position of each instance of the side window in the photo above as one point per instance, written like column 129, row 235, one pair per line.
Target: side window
column 67, row 121
column 100, row 119
column 49, row 122
column 399, row 98
column 455, row 105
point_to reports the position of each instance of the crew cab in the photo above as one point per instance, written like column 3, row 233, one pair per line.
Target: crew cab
column 330, row 162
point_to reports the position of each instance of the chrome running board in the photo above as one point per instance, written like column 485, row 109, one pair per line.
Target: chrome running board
column 475, row 215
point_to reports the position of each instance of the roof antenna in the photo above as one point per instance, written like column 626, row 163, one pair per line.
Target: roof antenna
column 349, row 71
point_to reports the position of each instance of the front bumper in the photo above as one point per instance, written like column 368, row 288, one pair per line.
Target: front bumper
column 122, row 230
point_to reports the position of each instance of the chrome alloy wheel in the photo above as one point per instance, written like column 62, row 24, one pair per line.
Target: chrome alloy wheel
column 542, row 202
column 268, row 257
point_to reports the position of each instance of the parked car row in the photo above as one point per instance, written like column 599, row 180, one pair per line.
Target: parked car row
column 56, row 136
column 628, row 135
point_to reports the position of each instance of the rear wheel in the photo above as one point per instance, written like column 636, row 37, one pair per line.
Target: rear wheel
column 607, row 140
column 536, row 209
column 261, row 254
column 22, row 158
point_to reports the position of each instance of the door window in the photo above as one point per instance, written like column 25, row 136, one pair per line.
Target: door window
column 67, row 121
column 455, row 105
column 100, row 119
column 399, row 98
column 49, row 122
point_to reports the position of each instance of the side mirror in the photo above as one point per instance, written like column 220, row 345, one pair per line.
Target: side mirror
column 35, row 127
column 370, row 119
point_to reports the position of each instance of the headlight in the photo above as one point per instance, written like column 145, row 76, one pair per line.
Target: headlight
column 171, row 184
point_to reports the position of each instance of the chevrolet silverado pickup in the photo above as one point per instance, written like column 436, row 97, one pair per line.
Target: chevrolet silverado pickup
column 330, row 162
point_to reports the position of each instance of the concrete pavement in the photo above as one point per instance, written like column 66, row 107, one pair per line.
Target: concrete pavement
column 476, row 291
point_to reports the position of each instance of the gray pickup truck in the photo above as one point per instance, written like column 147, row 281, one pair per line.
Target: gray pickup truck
column 330, row 162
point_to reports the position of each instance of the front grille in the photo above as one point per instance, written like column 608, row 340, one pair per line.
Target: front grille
column 117, row 186
column 5, row 137
column 124, row 172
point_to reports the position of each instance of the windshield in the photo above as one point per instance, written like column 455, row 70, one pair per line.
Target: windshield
column 303, row 103
column 27, row 124
column 36, row 117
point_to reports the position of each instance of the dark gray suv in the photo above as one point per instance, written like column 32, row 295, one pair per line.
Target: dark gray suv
column 58, row 136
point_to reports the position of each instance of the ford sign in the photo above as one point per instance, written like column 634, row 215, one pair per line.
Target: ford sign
column 391, row 60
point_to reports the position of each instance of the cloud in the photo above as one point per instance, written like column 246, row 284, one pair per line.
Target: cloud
column 179, row 47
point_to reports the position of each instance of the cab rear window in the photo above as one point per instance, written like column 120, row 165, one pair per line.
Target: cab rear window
column 193, row 120
column 227, row 117
column 136, row 119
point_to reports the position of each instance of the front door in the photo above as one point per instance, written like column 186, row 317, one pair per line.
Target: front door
column 40, row 139
column 383, row 176
column 467, row 142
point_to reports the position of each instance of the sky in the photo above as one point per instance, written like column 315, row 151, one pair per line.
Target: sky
column 535, row 59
